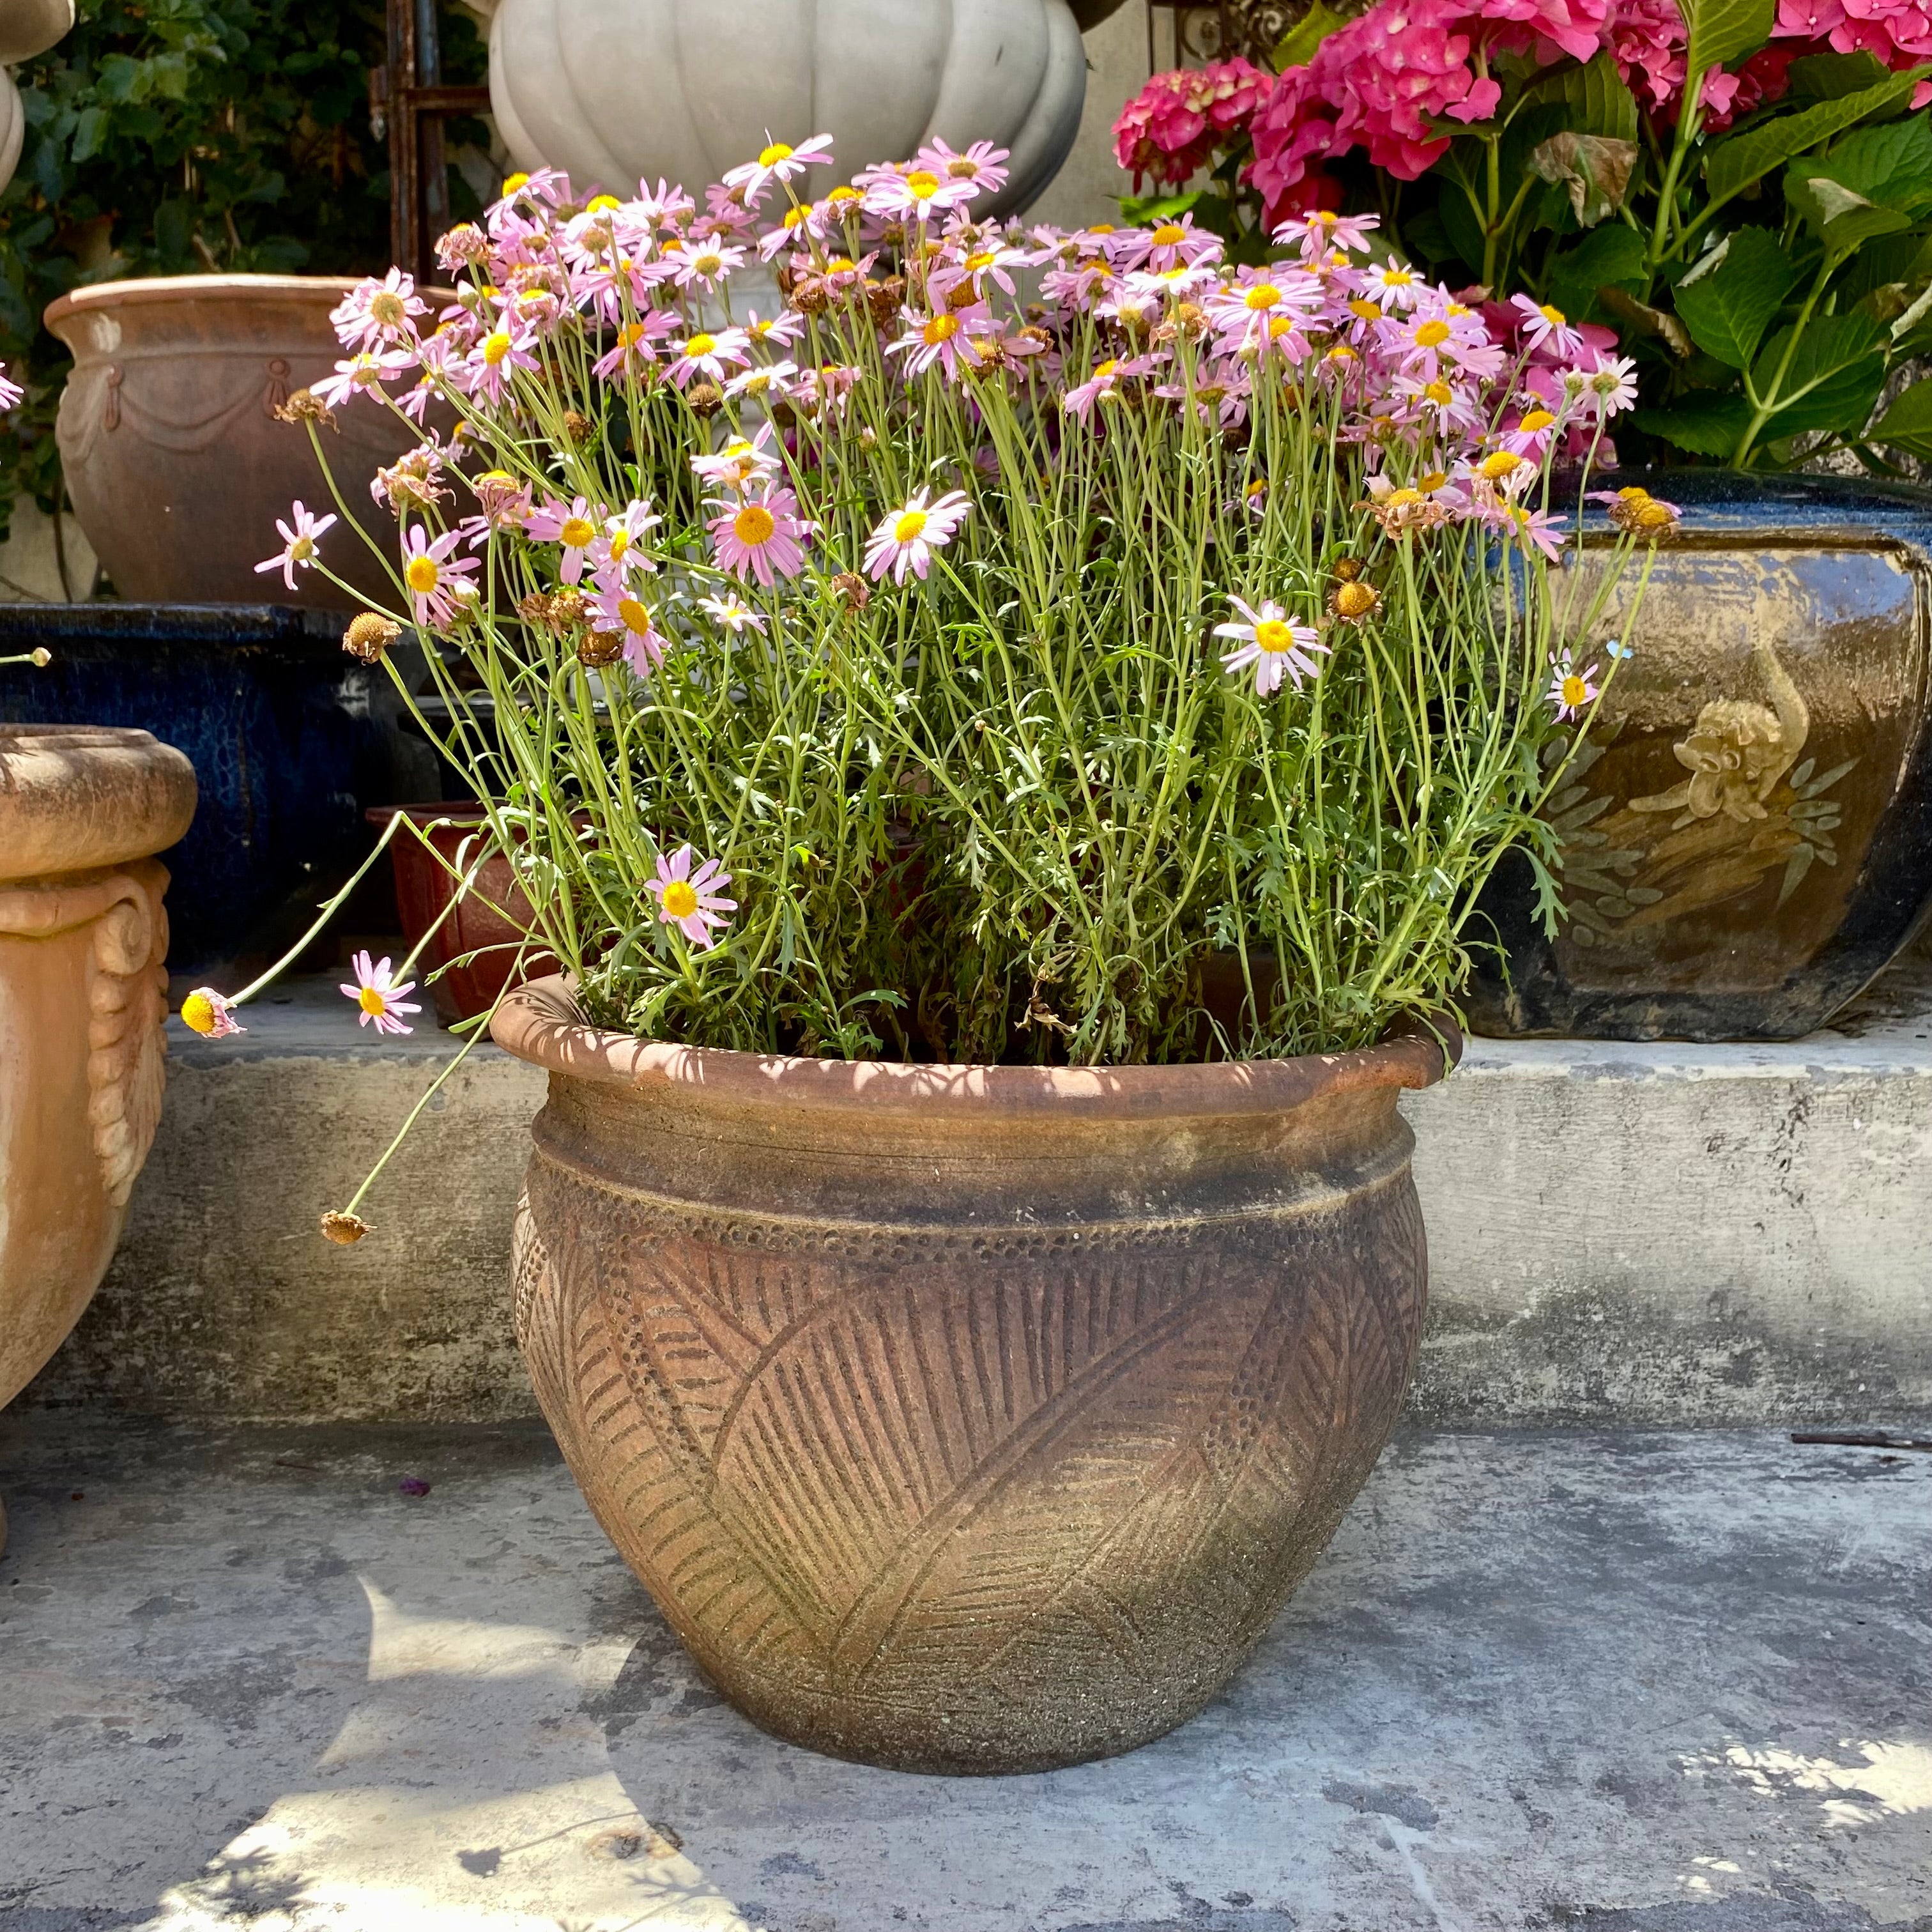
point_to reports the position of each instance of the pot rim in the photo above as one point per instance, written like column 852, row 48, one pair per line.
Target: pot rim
column 539, row 1023
column 134, row 291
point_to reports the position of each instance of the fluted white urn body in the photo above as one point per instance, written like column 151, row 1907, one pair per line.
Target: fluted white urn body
column 27, row 27
column 616, row 92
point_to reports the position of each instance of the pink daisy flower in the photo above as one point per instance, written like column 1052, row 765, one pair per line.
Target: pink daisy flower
column 432, row 579
column 706, row 353
column 364, row 371
column 689, row 900
column 981, row 167
column 704, row 265
column 381, row 999
column 743, row 463
column 1322, row 230
column 10, row 392
column 937, row 339
column 917, row 194
column 731, row 613
column 299, row 544
column 634, row 343
column 1570, row 689
column 778, row 162
column 1275, row 647
column 1545, row 327
column 487, row 369
column 377, row 315
column 760, row 536
column 906, row 539
column 207, row 1013
column 617, row 610
column 575, row 527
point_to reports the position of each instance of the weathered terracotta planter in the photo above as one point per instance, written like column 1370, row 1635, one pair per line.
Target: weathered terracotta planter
column 83, row 993
column 966, row 1418
column 176, row 463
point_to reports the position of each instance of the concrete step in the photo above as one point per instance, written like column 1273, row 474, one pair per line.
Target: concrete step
column 1656, row 1234
column 1617, row 1681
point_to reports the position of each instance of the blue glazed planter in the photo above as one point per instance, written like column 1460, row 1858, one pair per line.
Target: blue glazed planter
column 1746, row 831
column 289, row 738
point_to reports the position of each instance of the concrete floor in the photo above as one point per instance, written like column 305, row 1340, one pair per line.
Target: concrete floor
column 1633, row 1682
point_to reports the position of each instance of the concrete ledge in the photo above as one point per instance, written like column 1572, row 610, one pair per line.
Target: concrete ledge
column 1650, row 1234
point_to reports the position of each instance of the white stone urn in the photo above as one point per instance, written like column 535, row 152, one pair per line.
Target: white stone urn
column 27, row 27
column 616, row 92
column 83, row 994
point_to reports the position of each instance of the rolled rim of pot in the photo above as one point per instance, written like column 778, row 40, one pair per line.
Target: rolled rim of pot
column 139, row 291
column 540, row 1023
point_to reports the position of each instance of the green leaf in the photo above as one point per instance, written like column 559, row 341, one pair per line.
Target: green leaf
column 1907, row 424
column 89, row 133
column 1296, row 48
column 1594, row 169
column 1837, row 370
column 1732, row 165
column 1141, row 209
column 1597, row 100
column 1830, row 76
column 1890, row 165
column 1705, row 425
column 1606, row 256
column 1728, row 305
column 1723, row 32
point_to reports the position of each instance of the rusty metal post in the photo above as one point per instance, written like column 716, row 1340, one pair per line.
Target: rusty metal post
column 408, row 100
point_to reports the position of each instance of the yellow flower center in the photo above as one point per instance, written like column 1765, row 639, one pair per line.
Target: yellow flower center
column 699, row 345
column 197, row 1012
column 388, row 309
column 1262, row 295
column 631, row 334
column 502, row 476
column 1257, row 488
column 982, row 258
column 1273, row 635
column 633, row 615
column 841, row 265
column 1652, row 516
column 513, row 182
column 1430, row 483
column 1536, row 420
column 1354, row 600
column 302, row 549
column 495, row 346
column 577, row 532
column 777, row 152
column 709, row 263
column 923, row 183
column 1361, row 306
column 1575, row 691
column 1394, row 278
column 602, row 204
column 1552, row 314
column 1101, row 228
column 1440, row 394
column 421, row 573
column 1631, row 493
column 909, row 525
column 1280, row 326
column 1432, row 332
column 680, row 900
column 620, row 542
column 1400, row 499
column 1341, row 352
column 1168, row 234
column 798, row 211
column 941, row 328
column 1456, row 309
column 1498, row 464
column 844, row 194
column 370, row 1001
column 754, row 524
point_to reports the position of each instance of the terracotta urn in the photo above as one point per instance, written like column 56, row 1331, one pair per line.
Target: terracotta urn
column 176, row 462
column 612, row 91
column 83, row 994
column 966, row 1419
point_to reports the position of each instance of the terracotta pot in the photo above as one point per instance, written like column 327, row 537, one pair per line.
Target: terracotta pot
column 82, row 996
column 424, row 889
column 174, row 458
column 1747, row 834
column 966, row 1418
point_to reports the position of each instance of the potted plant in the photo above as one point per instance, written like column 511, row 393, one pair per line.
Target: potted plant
column 1008, row 784
column 83, row 993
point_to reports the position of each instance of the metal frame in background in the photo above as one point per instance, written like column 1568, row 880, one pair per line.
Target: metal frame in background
column 409, row 102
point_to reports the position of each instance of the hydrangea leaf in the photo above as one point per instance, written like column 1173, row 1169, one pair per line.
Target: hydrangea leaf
column 1831, row 77
column 1704, row 425
column 1296, row 46
column 1836, row 371
column 1605, row 257
column 1890, row 164
column 1907, row 424
column 1727, row 302
column 1597, row 100
column 1734, row 164
column 1723, row 31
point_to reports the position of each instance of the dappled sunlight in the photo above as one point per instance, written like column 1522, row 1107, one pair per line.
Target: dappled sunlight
column 408, row 1830
column 1864, row 1783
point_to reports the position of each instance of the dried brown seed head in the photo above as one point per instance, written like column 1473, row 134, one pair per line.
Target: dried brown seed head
column 344, row 1230
column 705, row 399
column 369, row 635
column 303, row 405
column 854, row 592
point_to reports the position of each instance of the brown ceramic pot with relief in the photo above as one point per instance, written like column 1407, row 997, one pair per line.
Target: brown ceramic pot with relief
column 176, row 462
column 83, row 994
column 966, row 1418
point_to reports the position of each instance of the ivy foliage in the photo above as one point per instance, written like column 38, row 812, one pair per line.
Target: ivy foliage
column 173, row 137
